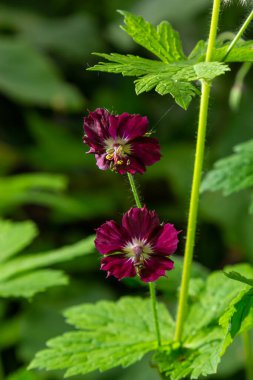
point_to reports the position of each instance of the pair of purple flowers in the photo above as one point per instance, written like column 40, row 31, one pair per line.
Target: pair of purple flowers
column 141, row 244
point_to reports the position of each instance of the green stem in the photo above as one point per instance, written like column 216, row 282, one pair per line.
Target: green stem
column 155, row 314
column 198, row 164
column 151, row 284
column 248, row 355
column 239, row 34
column 134, row 190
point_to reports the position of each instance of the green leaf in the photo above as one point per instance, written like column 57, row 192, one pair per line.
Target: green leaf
column 127, row 65
column 108, row 335
column 163, row 41
column 199, row 360
column 22, row 374
column 239, row 277
column 171, row 284
column 213, row 300
column 239, row 314
column 15, row 237
column 232, row 173
column 27, row 76
column 172, row 74
column 204, row 337
column 32, row 283
column 38, row 260
column 19, row 276
column 182, row 92
column 241, row 52
column 63, row 36
column 26, row 188
column 171, row 78
column 238, row 317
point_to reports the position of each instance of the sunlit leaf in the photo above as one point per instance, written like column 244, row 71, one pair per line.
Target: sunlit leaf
column 108, row 335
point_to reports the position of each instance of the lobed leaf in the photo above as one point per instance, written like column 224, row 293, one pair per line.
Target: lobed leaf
column 232, row 173
column 173, row 78
column 199, row 360
column 109, row 334
column 205, row 336
column 239, row 314
column 239, row 277
column 127, row 65
column 241, row 52
column 163, row 41
column 172, row 74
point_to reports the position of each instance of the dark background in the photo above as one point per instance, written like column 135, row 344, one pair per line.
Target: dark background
column 45, row 92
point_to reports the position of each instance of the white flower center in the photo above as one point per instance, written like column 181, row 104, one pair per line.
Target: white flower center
column 138, row 250
column 117, row 150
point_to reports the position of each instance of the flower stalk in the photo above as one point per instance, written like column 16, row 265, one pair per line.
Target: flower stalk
column 151, row 284
column 198, row 165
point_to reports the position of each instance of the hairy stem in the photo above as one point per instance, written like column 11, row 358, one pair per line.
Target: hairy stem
column 248, row 355
column 134, row 190
column 239, row 34
column 198, row 164
column 151, row 284
column 155, row 314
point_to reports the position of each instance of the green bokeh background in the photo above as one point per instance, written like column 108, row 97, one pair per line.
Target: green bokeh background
column 45, row 92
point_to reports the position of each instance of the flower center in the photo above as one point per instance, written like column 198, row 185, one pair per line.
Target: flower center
column 117, row 151
column 138, row 250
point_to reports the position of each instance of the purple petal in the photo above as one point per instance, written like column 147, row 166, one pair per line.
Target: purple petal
column 146, row 149
column 134, row 166
column 110, row 237
column 166, row 240
column 155, row 267
column 101, row 161
column 118, row 266
column 128, row 126
column 140, row 222
column 96, row 128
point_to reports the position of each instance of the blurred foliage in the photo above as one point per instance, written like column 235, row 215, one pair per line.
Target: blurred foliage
column 47, row 177
column 20, row 276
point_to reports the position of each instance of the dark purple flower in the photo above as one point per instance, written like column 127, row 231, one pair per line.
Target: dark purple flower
column 119, row 142
column 140, row 246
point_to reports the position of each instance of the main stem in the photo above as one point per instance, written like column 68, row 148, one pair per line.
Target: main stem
column 198, row 165
column 248, row 355
column 151, row 284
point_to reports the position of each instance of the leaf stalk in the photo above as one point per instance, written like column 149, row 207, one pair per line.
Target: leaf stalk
column 239, row 34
